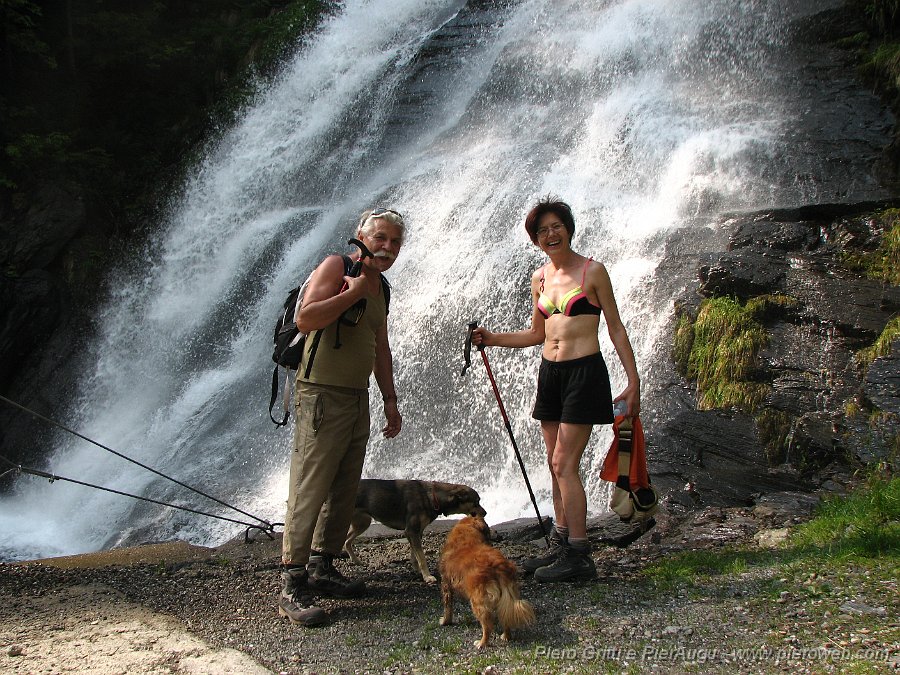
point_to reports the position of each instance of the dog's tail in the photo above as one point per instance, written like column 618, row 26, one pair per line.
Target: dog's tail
column 512, row 611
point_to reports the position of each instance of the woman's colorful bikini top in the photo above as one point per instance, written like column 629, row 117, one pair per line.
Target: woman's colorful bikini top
column 573, row 303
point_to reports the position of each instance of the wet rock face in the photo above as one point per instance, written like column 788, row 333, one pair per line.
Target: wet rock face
column 34, row 297
column 714, row 458
column 883, row 381
column 823, row 398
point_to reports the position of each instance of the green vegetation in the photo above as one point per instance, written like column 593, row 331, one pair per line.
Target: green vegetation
column 883, row 64
column 683, row 343
column 862, row 525
column 683, row 569
column 832, row 582
column 720, row 348
column 770, row 306
column 884, row 16
column 882, row 264
column 719, row 351
column 865, row 524
column 774, row 428
column 882, row 346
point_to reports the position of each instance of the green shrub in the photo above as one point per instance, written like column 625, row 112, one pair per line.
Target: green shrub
column 882, row 264
column 722, row 355
column 882, row 346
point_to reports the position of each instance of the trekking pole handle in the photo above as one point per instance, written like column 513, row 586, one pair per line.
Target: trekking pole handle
column 364, row 252
column 467, row 351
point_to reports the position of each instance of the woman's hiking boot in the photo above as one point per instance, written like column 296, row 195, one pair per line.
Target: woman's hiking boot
column 557, row 544
column 295, row 601
column 325, row 578
column 573, row 564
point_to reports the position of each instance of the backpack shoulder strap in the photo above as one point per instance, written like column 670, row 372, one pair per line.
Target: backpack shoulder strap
column 287, row 396
column 348, row 264
column 386, row 289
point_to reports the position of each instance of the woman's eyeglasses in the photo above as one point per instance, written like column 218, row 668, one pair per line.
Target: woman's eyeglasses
column 545, row 230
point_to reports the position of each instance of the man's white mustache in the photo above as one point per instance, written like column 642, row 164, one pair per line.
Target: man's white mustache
column 384, row 254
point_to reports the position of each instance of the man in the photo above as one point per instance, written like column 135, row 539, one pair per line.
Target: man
column 332, row 420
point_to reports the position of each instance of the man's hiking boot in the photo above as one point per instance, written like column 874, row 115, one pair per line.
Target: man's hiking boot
column 325, row 578
column 573, row 564
column 295, row 601
column 557, row 544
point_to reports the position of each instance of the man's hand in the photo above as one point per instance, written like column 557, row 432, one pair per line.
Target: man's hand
column 394, row 420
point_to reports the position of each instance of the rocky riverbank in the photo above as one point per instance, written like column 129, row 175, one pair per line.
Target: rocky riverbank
column 179, row 608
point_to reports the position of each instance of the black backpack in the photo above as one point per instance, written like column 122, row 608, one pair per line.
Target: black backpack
column 290, row 342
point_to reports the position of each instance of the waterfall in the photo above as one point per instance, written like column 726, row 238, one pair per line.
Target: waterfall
column 647, row 116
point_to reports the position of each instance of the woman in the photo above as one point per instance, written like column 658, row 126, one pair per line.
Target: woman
column 570, row 293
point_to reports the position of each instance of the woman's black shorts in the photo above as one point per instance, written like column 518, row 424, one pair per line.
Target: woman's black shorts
column 575, row 391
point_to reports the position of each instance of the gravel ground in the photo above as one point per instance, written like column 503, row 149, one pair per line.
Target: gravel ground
column 181, row 609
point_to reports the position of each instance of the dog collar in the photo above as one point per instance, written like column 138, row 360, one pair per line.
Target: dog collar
column 434, row 501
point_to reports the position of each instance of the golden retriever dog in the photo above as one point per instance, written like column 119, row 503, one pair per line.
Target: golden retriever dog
column 474, row 569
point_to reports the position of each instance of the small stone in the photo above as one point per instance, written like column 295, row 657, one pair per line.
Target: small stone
column 15, row 650
column 853, row 607
column 771, row 538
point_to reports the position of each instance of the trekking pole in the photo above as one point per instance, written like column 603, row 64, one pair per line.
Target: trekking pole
column 468, row 350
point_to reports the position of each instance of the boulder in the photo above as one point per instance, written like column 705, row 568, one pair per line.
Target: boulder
column 719, row 455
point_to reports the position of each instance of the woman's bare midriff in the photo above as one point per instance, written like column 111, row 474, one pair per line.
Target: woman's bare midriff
column 570, row 337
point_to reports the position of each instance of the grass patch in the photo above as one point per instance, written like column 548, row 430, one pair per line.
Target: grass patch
column 882, row 346
column 886, row 61
column 719, row 351
column 882, row 264
column 855, row 41
column 774, row 428
column 773, row 305
column 683, row 343
column 687, row 569
column 864, row 524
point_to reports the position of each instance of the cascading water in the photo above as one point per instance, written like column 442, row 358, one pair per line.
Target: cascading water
column 648, row 116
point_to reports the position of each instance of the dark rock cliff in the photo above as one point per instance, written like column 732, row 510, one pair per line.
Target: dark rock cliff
column 830, row 413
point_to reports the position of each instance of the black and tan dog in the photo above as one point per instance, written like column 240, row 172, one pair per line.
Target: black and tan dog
column 409, row 505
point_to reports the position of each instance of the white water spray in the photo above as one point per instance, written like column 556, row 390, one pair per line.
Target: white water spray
column 645, row 115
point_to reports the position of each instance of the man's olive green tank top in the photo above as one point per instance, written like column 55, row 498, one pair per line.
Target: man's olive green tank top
column 353, row 363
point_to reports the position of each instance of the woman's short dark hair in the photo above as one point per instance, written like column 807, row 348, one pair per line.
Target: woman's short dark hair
column 549, row 204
